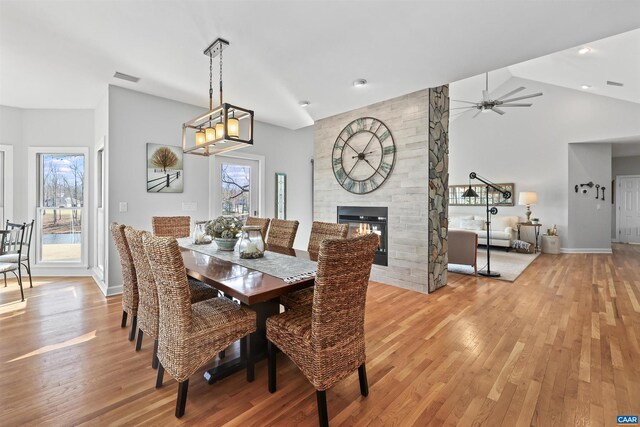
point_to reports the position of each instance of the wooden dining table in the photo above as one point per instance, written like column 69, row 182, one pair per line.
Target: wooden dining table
column 254, row 289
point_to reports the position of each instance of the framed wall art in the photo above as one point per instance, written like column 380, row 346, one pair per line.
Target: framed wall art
column 495, row 197
column 164, row 169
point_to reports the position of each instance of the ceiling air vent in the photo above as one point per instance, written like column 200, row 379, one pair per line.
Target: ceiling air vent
column 127, row 77
column 610, row 83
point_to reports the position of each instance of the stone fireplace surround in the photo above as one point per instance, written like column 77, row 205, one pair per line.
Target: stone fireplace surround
column 414, row 193
column 405, row 193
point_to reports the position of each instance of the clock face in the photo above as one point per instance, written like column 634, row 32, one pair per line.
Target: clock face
column 363, row 155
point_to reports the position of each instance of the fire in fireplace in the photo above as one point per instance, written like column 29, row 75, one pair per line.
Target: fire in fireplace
column 365, row 220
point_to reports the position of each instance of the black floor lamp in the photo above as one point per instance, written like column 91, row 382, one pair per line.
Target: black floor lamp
column 490, row 211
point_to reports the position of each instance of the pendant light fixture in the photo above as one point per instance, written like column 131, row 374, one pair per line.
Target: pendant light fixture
column 223, row 128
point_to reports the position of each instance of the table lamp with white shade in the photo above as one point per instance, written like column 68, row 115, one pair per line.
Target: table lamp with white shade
column 528, row 198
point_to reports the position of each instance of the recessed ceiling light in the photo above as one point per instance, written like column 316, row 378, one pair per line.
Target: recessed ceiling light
column 303, row 104
column 585, row 87
column 359, row 83
column 584, row 50
column 128, row 77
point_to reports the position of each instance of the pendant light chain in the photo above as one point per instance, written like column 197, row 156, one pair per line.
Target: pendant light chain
column 221, row 75
column 210, row 81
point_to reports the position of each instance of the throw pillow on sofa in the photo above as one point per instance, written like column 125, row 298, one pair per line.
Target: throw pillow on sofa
column 472, row 224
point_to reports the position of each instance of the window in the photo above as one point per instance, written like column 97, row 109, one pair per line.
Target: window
column 61, row 198
column 236, row 189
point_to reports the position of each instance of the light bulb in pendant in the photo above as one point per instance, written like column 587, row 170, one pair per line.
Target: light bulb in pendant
column 219, row 130
column 200, row 137
column 233, row 125
column 210, row 134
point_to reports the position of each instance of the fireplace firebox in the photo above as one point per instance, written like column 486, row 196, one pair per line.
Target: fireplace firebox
column 365, row 220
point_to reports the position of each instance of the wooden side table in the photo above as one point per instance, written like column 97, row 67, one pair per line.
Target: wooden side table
column 536, row 230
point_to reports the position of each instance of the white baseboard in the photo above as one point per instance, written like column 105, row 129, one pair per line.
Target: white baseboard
column 615, row 241
column 586, row 250
column 104, row 287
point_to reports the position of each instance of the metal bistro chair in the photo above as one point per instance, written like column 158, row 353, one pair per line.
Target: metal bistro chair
column 11, row 245
column 22, row 259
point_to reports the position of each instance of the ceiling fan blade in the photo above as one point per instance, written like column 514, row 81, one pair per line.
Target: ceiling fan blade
column 504, row 101
column 515, row 105
column 459, row 108
column 485, row 96
column 513, row 92
column 497, row 110
column 476, row 114
column 466, row 102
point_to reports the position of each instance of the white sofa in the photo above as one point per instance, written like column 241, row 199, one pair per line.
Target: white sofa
column 502, row 232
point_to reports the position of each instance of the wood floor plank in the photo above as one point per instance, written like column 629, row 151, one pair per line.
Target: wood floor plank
column 559, row 346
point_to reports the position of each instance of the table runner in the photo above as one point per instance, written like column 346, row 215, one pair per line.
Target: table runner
column 288, row 268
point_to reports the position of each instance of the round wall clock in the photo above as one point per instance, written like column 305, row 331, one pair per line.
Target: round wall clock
column 363, row 155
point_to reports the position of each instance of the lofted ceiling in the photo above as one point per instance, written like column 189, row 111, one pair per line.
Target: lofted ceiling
column 615, row 58
column 61, row 54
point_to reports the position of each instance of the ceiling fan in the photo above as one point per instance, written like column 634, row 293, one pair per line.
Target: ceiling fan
column 496, row 105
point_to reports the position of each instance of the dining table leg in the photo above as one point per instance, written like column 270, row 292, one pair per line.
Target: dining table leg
column 258, row 342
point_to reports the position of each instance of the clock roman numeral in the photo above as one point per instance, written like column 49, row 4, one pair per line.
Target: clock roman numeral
column 384, row 136
column 386, row 167
column 389, row 150
column 340, row 175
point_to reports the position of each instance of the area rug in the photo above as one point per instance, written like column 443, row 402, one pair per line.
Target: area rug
column 510, row 265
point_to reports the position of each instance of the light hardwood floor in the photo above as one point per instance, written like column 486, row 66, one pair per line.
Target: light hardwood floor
column 557, row 347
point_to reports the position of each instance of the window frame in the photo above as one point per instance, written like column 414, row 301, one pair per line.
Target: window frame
column 35, row 202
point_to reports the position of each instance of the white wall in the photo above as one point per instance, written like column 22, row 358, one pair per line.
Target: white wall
column 289, row 152
column 136, row 119
column 25, row 128
column 529, row 146
column 589, row 218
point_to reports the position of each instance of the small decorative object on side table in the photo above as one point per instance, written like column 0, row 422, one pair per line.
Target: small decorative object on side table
column 224, row 230
column 536, row 230
column 550, row 244
column 251, row 243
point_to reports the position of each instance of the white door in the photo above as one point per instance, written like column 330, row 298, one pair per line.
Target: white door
column 236, row 186
column 629, row 209
column 100, row 214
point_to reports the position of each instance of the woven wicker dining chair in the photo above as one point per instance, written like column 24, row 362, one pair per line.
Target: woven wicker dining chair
column 263, row 223
column 171, row 226
column 326, row 340
column 129, row 279
column 192, row 334
column 148, row 308
column 319, row 231
column 282, row 233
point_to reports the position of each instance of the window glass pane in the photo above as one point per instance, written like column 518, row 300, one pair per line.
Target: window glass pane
column 236, row 188
column 62, row 180
column 61, row 236
column 61, row 196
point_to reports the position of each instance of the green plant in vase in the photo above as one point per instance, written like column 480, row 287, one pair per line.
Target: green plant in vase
column 225, row 231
